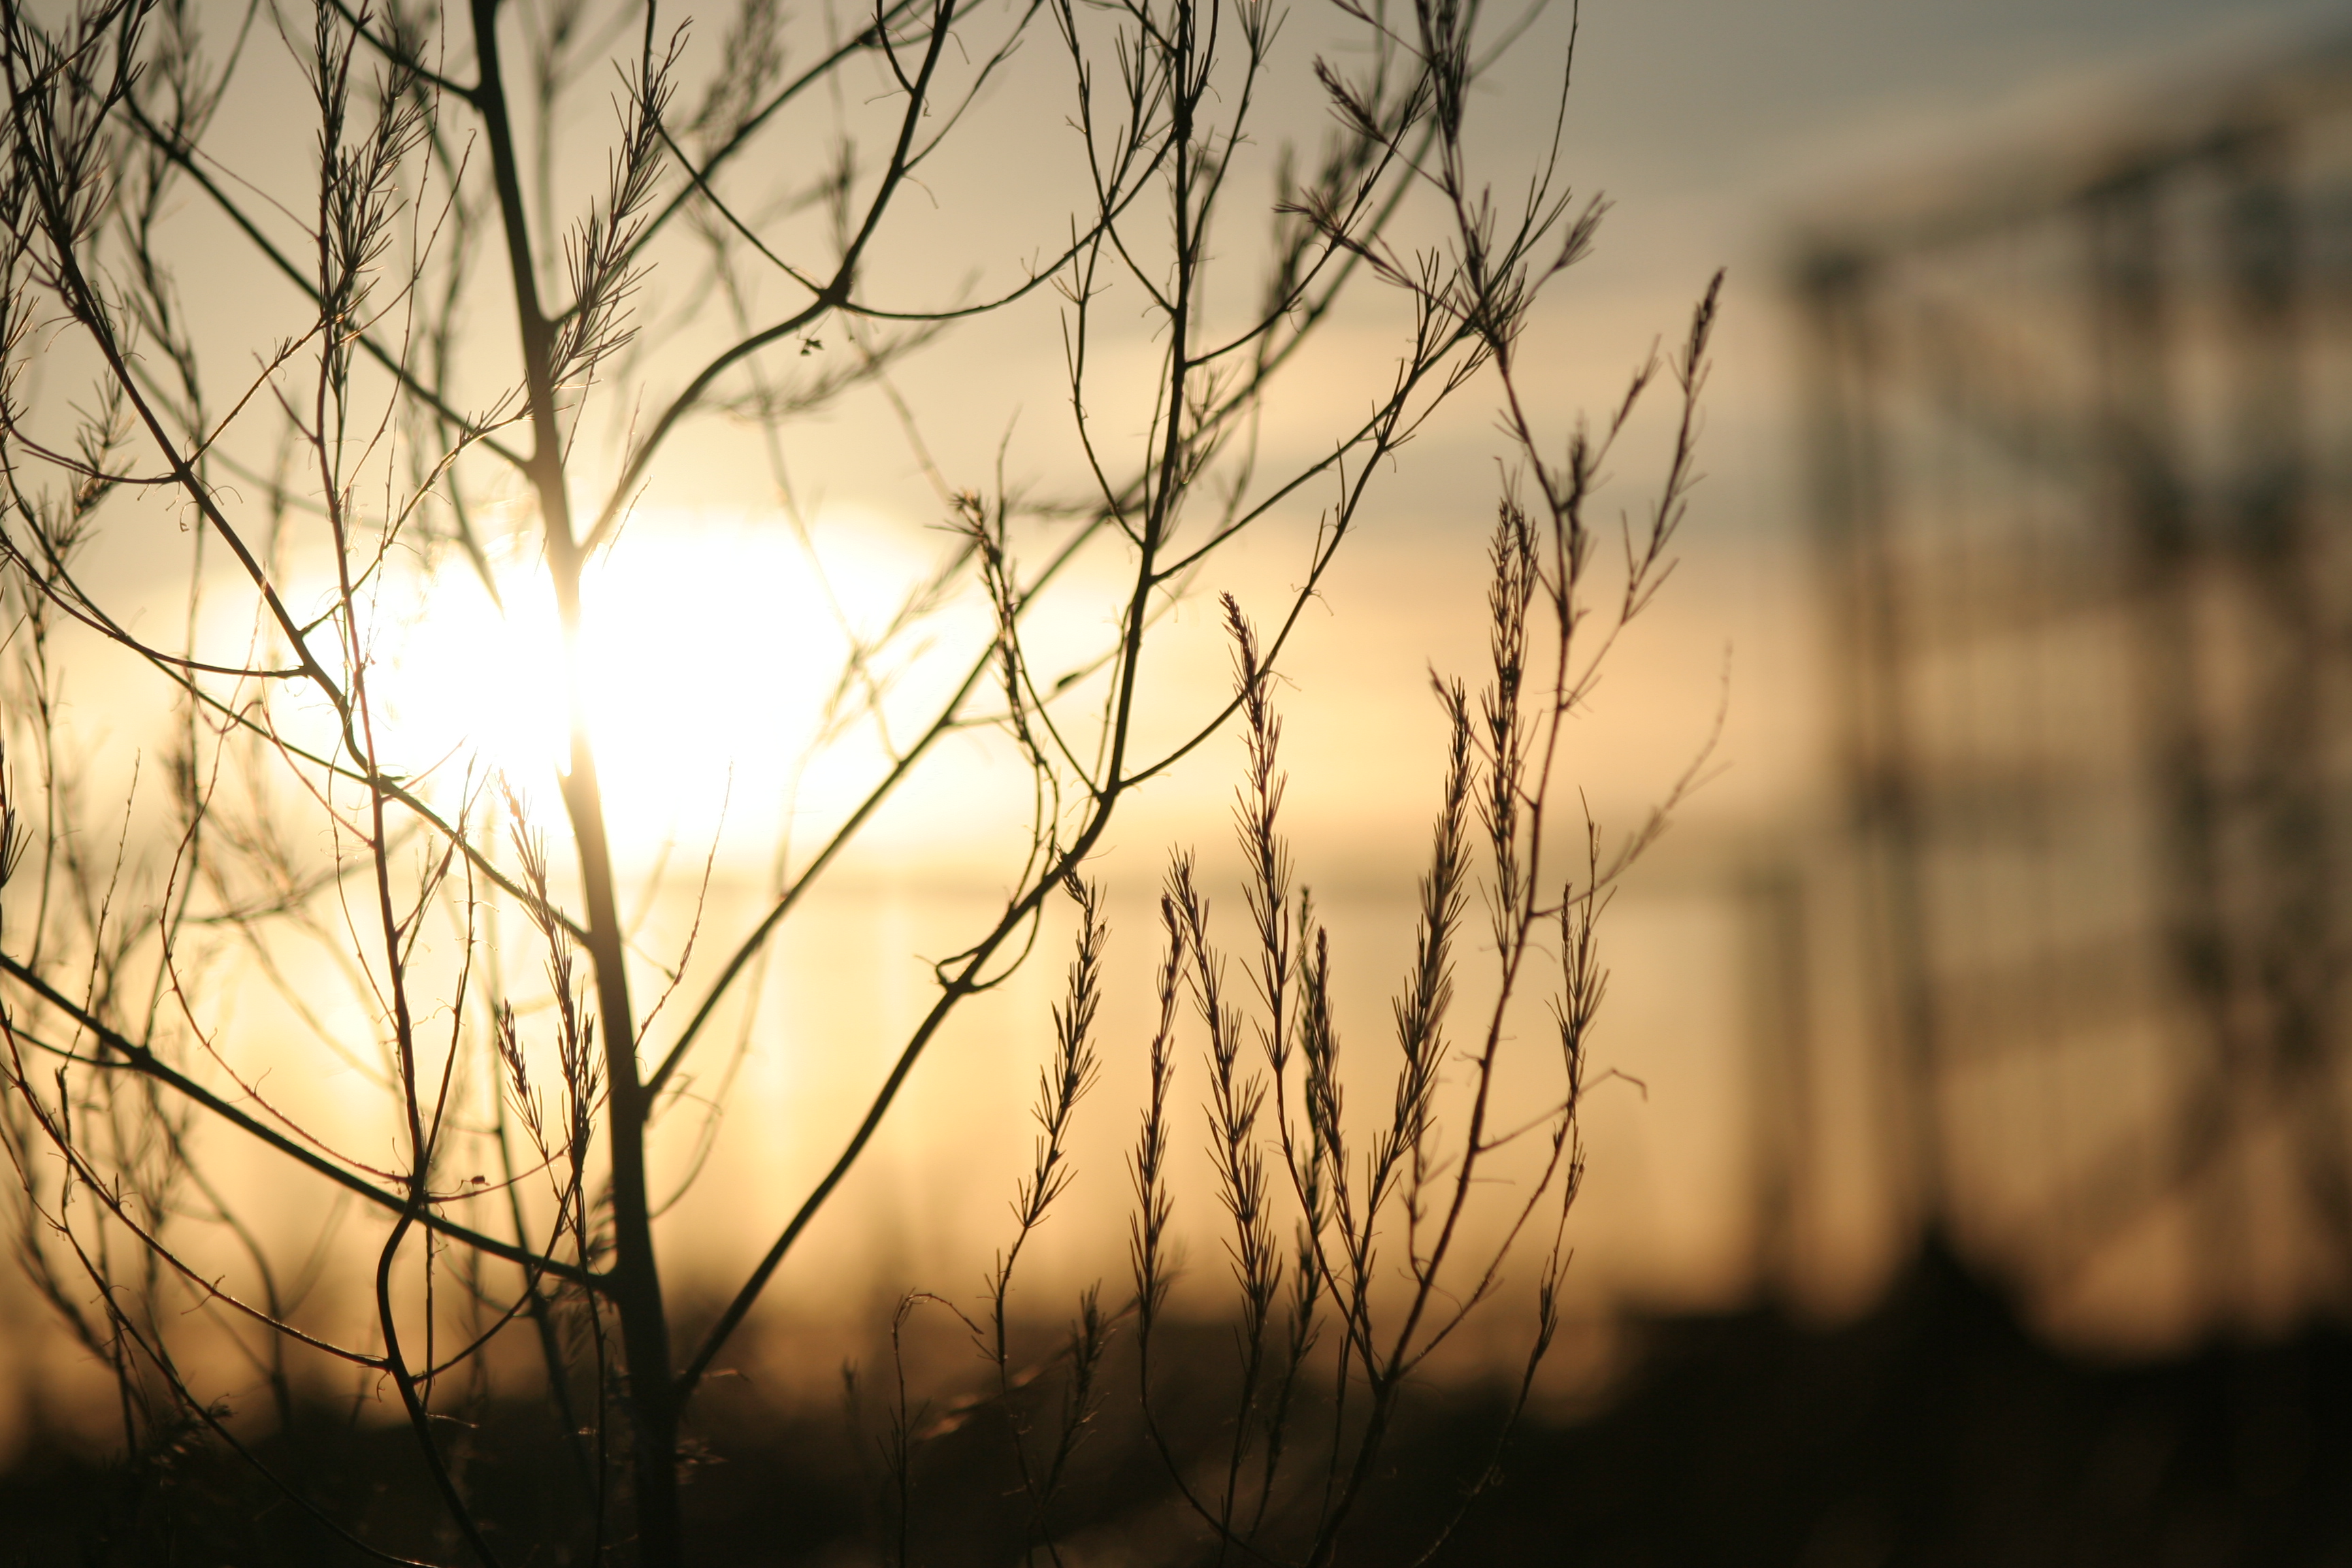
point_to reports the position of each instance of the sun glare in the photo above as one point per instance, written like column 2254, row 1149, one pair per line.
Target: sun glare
column 710, row 647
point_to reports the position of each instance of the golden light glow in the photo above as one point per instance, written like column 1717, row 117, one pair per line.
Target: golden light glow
column 710, row 648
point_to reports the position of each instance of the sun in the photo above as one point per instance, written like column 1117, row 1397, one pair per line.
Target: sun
column 711, row 647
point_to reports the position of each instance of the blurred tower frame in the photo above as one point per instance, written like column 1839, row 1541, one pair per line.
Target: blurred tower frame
column 2083, row 449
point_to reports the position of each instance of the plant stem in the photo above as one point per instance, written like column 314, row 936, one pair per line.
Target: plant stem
column 636, row 1275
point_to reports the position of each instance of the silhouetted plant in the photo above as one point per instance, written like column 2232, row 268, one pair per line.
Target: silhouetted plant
column 382, row 434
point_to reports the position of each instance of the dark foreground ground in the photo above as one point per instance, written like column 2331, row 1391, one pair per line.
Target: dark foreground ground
column 1932, row 1432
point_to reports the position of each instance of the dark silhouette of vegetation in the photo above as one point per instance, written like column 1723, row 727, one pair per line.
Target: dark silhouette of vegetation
column 420, row 399
column 1935, row 1429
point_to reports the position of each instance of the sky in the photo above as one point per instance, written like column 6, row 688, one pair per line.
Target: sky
column 1716, row 127
column 1733, row 98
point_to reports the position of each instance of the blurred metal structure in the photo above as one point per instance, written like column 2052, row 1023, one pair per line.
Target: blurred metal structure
column 2084, row 451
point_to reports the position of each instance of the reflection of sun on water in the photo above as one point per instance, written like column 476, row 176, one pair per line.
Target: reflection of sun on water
column 709, row 648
